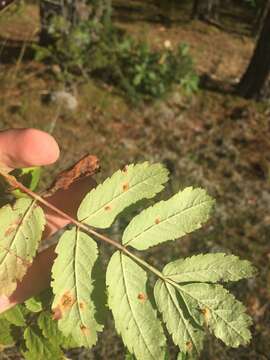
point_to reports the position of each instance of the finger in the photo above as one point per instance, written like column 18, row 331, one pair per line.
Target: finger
column 27, row 147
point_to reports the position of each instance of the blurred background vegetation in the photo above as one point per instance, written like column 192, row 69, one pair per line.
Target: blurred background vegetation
column 183, row 82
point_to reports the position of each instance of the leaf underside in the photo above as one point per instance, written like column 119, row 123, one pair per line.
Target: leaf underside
column 167, row 220
column 186, row 333
column 72, row 286
column 101, row 206
column 209, row 268
column 213, row 306
column 188, row 309
column 21, row 227
column 135, row 319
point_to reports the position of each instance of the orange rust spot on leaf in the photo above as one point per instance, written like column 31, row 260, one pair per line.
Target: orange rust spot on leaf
column 206, row 315
column 157, row 220
column 189, row 345
column 142, row 297
column 9, row 231
column 81, row 305
column 126, row 186
column 108, row 208
column 67, row 300
column 65, row 304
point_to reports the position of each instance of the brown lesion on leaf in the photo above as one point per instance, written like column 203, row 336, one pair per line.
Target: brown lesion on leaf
column 13, row 227
column 86, row 166
column 125, row 186
column 125, row 169
column 20, row 261
column 65, row 304
column 9, row 231
column 67, row 300
column 107, row 208
column 85, row 330
column 206, row 314
column 157, row 221
column 142, row 297
column 189, row 346
column 81, row 305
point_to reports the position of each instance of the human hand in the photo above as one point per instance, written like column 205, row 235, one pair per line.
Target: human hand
column 31, row 147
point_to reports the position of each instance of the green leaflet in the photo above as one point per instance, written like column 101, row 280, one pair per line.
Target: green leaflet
column 33, row 304
column 167, row 220
column 6, row 338
column 49, row 328
column 135, row 318
column 100, row 206
column 15, row 316
column 29, row 177
column 40, row 348
column 209, row 268
column 21, row 228
column 186, row 333
column 215, row 307
column 72, row 286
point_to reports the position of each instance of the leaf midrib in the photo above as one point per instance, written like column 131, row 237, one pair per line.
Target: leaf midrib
column 217, row 314
column 181, row 316
column 17, row 232
column 130, row 306
column 119, row 196
column 165, row 220
column 210, row 268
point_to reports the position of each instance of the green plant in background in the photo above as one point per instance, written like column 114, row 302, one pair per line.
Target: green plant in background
column 151, row 74
column 188, row 293
column 91, row 50
column 69, row 47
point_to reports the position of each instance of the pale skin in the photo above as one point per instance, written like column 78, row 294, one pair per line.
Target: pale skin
column 32, row 147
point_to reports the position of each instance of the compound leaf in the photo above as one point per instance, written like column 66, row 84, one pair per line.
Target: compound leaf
column 215, row 307
column 209, row 268
column 135, row 319
column 21, row 228
column 72, row 286
column 39, row 347
column 186, row 333
column 167, row 220
column 100, row 206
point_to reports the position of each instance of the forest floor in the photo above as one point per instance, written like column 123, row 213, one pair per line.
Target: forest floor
column 211, row 139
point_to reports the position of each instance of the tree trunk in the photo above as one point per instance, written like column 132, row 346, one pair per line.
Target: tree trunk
column 255, row 83
column 205, row 9
column 166, row 10
column 260, row 17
